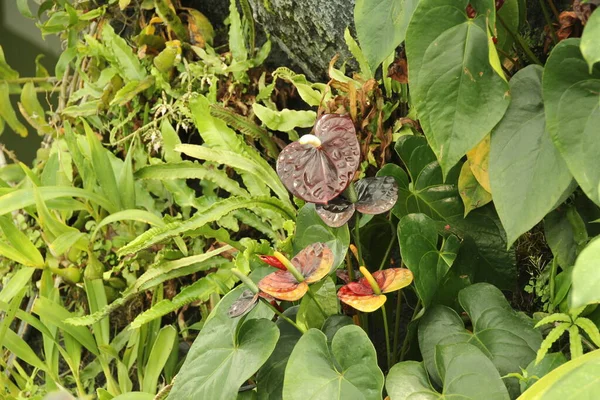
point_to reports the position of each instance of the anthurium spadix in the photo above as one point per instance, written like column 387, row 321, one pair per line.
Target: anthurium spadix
column 318, row 167
column 310, row 265
column 373, row 196
column 366, row 295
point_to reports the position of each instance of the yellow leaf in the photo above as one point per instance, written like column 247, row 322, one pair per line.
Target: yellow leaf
column 471, row 192
column 479, row 158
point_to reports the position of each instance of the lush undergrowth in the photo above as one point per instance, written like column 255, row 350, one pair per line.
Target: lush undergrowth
column 200, row 225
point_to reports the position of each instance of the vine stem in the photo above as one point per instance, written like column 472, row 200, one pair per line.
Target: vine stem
column 548, row 21
column 357, row 238
column 47, row 79
column 519, row 39
column 387, row 337
column 280, row 314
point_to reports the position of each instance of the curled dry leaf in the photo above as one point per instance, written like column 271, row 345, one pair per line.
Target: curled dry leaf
column 361, row 296
column 317, row 174
column 313, row 262
column 375, row 196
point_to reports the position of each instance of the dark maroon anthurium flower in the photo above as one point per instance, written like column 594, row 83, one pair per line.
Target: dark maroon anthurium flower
column 318, row 167
column 246, row 302
column 374, row 196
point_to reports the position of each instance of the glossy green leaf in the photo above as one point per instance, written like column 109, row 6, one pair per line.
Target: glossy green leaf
column 506, row 338
column 509, row 13
column 170, row 139
column 121, row 55
column 358, row 54
column 284, row 120
column 101, row 163
column 237, row 42
column 224, row 355
column 586, row 276
column 379, row 40
column 309, row 315
column 6, row 72
column 418, row 238
column 345, row 370
column 471, row 192
column 525, row 166
column 483, row 255
column 579, row 379
column 21, row 243
column 7, row 114
column 18, row 281
column 15, row 344
column 565, row 233
column 458, row 96
column 310, row 229
column 158, row 357
column 572, row 102
column 590, row 47
column 126, row 183
column 465, row 371
column 535, row 371
column 270, row 375
column 32, row 110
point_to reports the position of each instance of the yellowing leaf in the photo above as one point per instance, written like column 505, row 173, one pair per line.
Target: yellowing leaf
column 479, row 158
column 471, row 192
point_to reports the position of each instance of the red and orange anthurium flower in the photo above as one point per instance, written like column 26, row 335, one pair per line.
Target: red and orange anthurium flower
column 366, row 295
column 310, row 265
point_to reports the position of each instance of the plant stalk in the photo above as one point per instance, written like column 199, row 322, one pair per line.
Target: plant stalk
column 280, row 314
column 405, row 343
column 387, row 254
column 397, row 325
column 357, row 238
column 319, row 306
column 387, row 338
column 548, row 21
column 520, row 41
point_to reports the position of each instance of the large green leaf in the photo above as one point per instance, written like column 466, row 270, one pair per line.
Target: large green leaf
column 28, row 254
column 483, row 255
column 225, row 355
column 121, row 55
column 458, row 95
column 506, row 338
column 345, row 370
column 309, row 314
column 550, row 362
column 466, row 373
column 572, row 102
column 525, row 166
column 270, row 375
column 579, row 379
column 590, row 46
column 586, row 276
column 379, row 40
column 565, row 233
column 310, row 229
column 418, row 238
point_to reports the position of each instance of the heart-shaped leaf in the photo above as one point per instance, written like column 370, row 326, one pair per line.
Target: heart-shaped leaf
column 586, row 276
column 224, row 355
column 590, row 48
column 471, row 192
column 318, row 173
column 309, row 314
column 483, row 255
column 458, row 95
column 270, row 375
column 572, row 103
column 345, row 370
column 506, row 338
column 418, row 238
column 466, row 374
column 525, row 166
column 575, row 380
column 310, row 229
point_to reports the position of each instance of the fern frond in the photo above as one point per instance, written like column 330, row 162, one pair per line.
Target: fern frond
column 210, row 214
column 550, row 339
column 247, row 127
column 590, row 328
column 557, row 317
column 575, row 342
column 238, row 162
column 191, row 170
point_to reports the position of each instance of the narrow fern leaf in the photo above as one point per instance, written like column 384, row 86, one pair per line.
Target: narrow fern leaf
column 550, row 339
column 210, row 214
column 251, row 219
column 558, row 317
column 191, row 170
column 575, row 342
column 240, row 163
column 590, row 328
column 247, row 127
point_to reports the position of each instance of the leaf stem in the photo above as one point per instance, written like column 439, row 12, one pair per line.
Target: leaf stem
column 280, row 314
column 548, row 21
column 387, row 253
column 319, row 306
column 19, row 81
column 519, row 39
column 357, row 238
column 387, row 337
column 552, row 282
column 397, row 325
